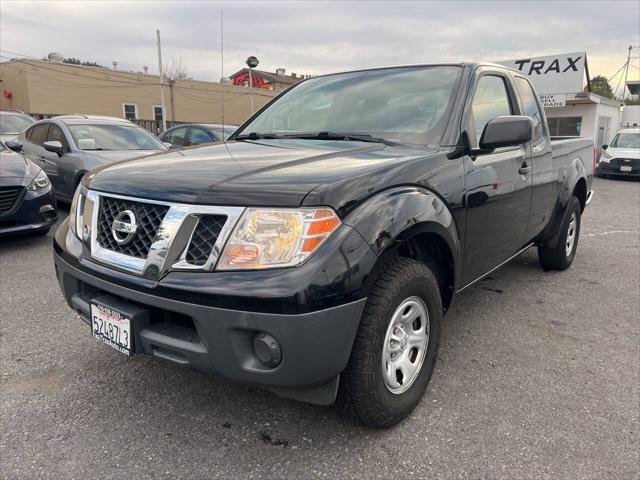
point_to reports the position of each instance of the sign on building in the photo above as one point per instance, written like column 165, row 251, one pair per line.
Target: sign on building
column 552, row 74
column 550, row 100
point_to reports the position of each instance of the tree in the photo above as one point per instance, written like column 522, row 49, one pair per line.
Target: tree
column 76, row 61
column 600, row 86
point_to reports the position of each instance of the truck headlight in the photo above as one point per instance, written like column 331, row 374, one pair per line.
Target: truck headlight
column 75, row 212
column 274, row 237
column 40, row 182
column 605, row 157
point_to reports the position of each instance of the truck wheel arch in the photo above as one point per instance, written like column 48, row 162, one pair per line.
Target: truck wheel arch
column 574, row 184
column 412, row 222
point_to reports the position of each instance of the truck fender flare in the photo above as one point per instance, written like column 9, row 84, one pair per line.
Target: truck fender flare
column 573, row 173
column 397, row 214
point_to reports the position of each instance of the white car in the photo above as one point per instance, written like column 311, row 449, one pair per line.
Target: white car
column 622, row 155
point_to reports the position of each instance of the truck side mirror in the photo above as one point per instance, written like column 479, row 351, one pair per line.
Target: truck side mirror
column 507, row 131
column 53, row 146
column 604, row 147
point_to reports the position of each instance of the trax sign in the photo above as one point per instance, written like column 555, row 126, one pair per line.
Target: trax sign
column 563, row 73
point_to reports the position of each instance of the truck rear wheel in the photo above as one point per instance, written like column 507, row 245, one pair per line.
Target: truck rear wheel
column 396, row 346
column 561, row 256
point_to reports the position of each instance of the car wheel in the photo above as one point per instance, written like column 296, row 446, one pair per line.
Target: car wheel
column 561, row 256
column 396, row 346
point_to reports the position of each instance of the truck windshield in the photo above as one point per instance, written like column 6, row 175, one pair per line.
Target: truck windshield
column 626, row 140
column 113, row 137
column 401, row 105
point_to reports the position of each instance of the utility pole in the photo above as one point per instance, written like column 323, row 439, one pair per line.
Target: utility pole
column 626, row 74
column 164, row 115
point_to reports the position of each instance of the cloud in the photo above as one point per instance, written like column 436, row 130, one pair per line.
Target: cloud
column 318, row 37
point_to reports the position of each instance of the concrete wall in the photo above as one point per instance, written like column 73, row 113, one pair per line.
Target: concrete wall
column 40, row 87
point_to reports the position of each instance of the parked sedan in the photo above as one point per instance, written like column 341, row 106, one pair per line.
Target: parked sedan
column 622, row 155
column 13, row 123
column 67, row 147
column 27, row 204
column 196, row 134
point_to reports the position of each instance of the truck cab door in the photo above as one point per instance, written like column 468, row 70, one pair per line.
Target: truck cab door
column 498, row 184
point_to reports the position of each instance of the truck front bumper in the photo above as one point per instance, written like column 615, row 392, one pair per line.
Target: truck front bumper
column 314, row 347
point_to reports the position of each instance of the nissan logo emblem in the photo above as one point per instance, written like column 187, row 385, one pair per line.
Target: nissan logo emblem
column 124, row 227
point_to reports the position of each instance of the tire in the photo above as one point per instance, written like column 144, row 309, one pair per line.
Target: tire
column 561, row 256
column 364, row 394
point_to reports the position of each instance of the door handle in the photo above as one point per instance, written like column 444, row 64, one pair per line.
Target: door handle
column 524, row 170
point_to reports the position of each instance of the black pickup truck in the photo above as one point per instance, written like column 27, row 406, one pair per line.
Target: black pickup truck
column 316, row 251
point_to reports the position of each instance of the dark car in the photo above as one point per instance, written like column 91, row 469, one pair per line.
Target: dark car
column 68, row 146
column 27, row 203
column 196, row 134
column 317, row 250
column 13, row 123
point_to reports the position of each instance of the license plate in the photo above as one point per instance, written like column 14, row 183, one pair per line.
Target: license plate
column 625, row 168
column 111, row 327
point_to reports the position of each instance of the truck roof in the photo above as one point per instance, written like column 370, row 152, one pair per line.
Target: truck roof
column 469, row 64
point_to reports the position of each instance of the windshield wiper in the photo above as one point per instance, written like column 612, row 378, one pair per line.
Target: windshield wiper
column 360, row 137
column 258, row 136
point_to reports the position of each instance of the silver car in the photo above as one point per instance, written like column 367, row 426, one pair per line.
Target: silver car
column 68, row 146
column 12, row 123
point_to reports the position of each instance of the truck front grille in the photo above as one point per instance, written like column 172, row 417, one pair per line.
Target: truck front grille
column 628, row 162
column 204, row 238
column 8, row 198
column 148, row 219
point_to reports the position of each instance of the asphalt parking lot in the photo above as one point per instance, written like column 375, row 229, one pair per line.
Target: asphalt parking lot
column 538, row 377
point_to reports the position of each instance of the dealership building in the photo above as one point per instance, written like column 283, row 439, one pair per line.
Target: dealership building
column 570, row 110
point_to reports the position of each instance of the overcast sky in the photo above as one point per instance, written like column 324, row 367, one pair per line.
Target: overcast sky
column 319, row 37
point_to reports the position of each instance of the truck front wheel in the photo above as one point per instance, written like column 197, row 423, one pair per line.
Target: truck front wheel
column 395, row 349
column 561, row 256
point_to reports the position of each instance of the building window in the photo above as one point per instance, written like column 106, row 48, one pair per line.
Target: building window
column 130, row 111
column 157, row 113
column 565, row 126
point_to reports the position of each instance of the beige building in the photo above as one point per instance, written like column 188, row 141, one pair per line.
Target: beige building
column 45, row 89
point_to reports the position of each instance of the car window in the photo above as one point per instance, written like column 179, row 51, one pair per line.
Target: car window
column 198, row 136
column 14, row 124
column 178, row 136
column 530, row 108
column 490, row 100
column 55, row 134
column 39, row 133
column 113, row 137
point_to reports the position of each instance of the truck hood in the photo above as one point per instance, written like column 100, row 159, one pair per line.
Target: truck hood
column 278, row 173
column 624, row 152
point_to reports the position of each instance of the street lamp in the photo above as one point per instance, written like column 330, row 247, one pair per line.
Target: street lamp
column 252, row 62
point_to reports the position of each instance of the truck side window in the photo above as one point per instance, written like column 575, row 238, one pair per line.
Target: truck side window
column 490, row 100
column 530, row 108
